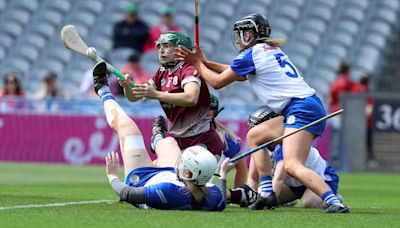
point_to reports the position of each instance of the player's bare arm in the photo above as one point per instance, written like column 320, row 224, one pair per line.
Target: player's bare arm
column 125, row 84
column 214, row 66
column 188, row 98
column 215, row 79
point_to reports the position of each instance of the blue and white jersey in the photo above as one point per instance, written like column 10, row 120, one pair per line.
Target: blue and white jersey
column 164, row 191
column 232, row 144
column 314, row 162
column 272, row 75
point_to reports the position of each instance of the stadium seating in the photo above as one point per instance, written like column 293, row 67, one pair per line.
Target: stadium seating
column 320, row 34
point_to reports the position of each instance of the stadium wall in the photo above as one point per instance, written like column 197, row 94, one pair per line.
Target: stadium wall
column 75, row 139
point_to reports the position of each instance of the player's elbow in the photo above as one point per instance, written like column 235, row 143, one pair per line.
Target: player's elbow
column 192, row 101
column 217, row 85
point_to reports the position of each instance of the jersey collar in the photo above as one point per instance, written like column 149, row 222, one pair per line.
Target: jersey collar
column 179, row 65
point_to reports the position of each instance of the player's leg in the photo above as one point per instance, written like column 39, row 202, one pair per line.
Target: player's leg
column 166, row 149
column 311, row 200
column 133, row 151
column 252, row 178
column 286, row 195
column 240, row 172
column 296, row 148
column 295, row 152
column 256, row 136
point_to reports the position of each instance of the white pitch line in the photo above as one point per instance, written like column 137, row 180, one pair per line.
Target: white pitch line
column 54, row 204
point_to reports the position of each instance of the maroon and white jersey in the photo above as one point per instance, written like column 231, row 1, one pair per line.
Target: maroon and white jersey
column 185, row 121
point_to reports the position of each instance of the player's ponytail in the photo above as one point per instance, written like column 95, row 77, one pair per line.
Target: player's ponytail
column 274, row 42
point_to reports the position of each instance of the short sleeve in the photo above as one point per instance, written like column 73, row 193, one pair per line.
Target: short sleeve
column 243, row 64
column 188, row 75
column 232, row 146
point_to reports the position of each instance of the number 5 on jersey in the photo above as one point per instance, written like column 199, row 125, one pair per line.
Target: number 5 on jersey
column 289, row 69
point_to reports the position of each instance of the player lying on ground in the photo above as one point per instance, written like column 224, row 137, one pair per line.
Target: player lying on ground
column 286, row 187
column 280, row 86
column 179, row 181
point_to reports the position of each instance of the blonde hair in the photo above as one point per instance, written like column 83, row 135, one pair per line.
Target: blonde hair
column 274, row 42
column 221, row 130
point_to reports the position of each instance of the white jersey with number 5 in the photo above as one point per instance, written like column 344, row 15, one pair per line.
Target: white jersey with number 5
column 272, row 75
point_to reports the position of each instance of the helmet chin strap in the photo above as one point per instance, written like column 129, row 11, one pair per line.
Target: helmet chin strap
column 169, row 65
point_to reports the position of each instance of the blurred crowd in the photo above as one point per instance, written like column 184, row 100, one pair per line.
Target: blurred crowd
column 131, row 32
column 344, row 84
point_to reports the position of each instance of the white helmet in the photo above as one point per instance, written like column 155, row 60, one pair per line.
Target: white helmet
column 200, row 162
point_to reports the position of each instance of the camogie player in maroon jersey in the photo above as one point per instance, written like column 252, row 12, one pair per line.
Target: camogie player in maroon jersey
column 183, row 96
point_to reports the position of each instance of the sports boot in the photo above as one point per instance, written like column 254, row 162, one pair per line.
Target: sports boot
column 99, row 76
column 336, row 208
column 269, row 202
column 250, row 195
column 159, row 127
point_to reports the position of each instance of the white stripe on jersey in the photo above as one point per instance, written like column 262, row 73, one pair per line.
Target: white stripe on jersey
column 161, row 196
column 164, row 177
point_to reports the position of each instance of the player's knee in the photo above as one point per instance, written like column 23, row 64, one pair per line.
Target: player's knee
column 253, row 136
column 292, row 166
column 124, row 126
column 257, row 137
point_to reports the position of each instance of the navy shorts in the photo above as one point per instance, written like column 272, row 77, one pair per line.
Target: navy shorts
column 302, row 111
column 299, row 191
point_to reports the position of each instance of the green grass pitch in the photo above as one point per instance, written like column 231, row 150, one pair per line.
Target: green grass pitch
column 374, row 200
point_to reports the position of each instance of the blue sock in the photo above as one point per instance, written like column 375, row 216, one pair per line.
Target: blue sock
column 105, row 94
column 266, row 185
column 330, row 198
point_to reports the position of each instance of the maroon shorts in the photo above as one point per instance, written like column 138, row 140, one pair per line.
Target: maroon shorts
column 209, row 138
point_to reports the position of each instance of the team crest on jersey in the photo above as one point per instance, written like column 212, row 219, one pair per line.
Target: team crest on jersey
column 291, row 119
column 162, row 82
column 134, row 180
column 175, row 80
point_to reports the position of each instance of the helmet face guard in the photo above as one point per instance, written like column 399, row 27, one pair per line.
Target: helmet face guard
column 176, row 39
column 255, row 23
column 199, row 162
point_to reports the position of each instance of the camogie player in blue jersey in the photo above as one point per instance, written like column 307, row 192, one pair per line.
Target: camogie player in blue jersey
column 287, row 188
column 279, row 85
column 179, row 178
